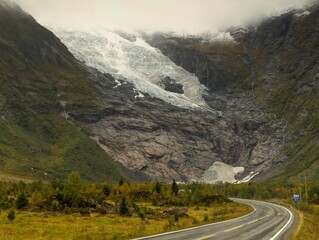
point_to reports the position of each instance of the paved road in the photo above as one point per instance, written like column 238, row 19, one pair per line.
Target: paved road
column 267, row 221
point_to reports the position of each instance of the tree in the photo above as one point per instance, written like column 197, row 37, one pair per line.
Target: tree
column 157, row 187
column 315, row 198
column 11, row 215
column 174, row 188
column 72, row 191
column 121, row 182
column 21, row 201
column 106, row 190
column 123, row 207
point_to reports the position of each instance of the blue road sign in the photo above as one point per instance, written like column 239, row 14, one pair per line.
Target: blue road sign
column 296, row 198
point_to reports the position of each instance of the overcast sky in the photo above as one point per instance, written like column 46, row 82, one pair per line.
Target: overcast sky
column 164, row 15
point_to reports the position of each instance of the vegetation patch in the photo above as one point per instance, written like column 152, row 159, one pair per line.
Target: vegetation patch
column 75, row 210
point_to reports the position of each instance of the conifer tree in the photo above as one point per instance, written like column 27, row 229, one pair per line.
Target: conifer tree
column 21, row 201
column 175, row 188
column 123, row 207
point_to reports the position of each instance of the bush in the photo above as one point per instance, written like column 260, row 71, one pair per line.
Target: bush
column 4, row 204
column 123, row 207
column 21, row 201
column 11, row 215
column 85, row 211
column 176, row 217
column 55, row 205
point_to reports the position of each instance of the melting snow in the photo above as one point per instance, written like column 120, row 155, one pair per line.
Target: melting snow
column 303, row 14
column 118, row 83
column 248, row 177
column 221, row 172
column 136, row 62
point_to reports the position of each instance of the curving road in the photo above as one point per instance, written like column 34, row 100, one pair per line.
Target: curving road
column 267, row 221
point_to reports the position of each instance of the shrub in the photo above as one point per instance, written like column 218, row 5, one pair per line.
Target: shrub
column 176, row 217
column 123, row 207
column 21, row 201
column 55, row 205
column 11, row 215
column 85, row 211
column 4, row 204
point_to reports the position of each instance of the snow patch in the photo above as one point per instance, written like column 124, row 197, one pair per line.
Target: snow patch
column 222, row 37
column 221, row 172
column 250, row 176
column 139, row 95
column 303, row 14
column 118, row 83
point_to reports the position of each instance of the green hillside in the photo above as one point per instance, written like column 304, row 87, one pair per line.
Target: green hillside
column 40, row 80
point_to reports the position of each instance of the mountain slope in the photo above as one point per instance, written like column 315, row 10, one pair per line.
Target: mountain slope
column 158, row 138
column 57, row 114
column 277, row 62
column 40, row 80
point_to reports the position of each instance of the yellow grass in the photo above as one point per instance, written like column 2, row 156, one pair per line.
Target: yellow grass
column 12, row 178
column 308, row 228
column 111, row 226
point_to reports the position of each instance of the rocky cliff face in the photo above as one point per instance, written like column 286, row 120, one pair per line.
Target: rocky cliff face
column 164, row 142
column 248, row 92
column 272, row 68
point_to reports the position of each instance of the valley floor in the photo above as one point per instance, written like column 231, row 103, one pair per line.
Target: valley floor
column 49, row 225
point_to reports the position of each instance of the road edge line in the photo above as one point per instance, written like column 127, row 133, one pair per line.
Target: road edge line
column 283, row 228
column 192, row 228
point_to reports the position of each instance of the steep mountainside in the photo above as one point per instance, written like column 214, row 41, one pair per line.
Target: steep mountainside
column 164, row 141
column 40, row 80
column 254, row 114
column 277, row 62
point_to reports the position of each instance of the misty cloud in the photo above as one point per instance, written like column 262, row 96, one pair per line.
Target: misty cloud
column 163, row 15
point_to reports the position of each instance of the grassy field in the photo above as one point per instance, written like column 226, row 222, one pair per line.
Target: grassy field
column 30, row 225
column 309, row 226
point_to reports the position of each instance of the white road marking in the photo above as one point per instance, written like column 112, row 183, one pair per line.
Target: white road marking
column 206, row 237
column 231, row 229
column 283, row 228
column 203, row 226
column 234, row 228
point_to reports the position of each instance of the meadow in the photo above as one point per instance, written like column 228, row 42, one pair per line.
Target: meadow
column 49, row 225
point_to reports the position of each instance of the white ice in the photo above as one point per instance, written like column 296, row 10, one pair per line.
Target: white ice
column 136, row 62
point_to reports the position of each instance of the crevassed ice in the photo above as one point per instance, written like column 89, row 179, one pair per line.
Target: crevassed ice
column 135, row 62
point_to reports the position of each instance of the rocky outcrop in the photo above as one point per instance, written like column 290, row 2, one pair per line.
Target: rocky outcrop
column 164, row 142
column 171, row 85
column 216, row 65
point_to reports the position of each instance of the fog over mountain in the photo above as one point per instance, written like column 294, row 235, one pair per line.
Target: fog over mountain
column 165, row 15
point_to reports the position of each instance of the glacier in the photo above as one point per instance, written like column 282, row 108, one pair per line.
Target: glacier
column 135, row 61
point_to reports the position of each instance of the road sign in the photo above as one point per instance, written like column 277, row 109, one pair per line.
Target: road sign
column 296, row 198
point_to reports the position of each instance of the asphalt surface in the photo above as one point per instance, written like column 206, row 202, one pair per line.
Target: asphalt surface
column 267, row 221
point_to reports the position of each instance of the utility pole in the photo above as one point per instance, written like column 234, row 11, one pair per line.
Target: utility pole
column 299, row 192
column 306, row 192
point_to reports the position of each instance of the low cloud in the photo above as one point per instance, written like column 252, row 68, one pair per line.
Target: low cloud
column 154, row 15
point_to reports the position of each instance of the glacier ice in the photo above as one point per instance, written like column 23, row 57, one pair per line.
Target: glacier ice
column 136, row 62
